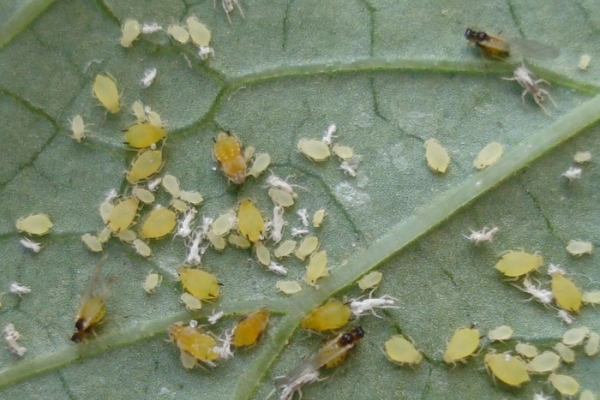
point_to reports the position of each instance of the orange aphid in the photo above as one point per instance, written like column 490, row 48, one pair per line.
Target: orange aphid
column 228, row 152
column 248, row 330
column 194, row 342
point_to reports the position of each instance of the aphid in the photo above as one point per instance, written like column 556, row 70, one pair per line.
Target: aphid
column 281, row 197
column 318, row 218
column 179, row 205
column 572, row 173
column 436, row 155
column 578, row 248
column 191, row 303
column 575, row 336
column 92, row 242
column 316, row 268
column 526, row 350
column 184, row 225
column 198, row 283
column 239, row 241
column 342, row 339
column 565, row 384
column 152, row 27
column 544, row 296
column 565, row 317
column 276, row 182
column 567, row 295
column 179, row 33
column 147, row 163
column 130, row 31
column 303, row 216
column 194, row 342
column 154, row 118
column 260, row 164
column 224, row 223
column 330, row 316
column 544, row 363
column 463, row 344
column 92, row 305
column 171, row 185
column 250, row 223
column 277, row 224
column 34, row 224
column 315, row 150
column 401, row 351
column 307, row 247
column 105, row 209
column 31, row 245
column 127, row 236
column 228, row 6
column 503, row 46
column 151, row 282
column 123, row 214
column 228, row 152
column 18, row 289
column 500, row 334
column 218, row 242
column 361, row 307
column 78, row 128
column 299, row 231
column 489, row 155
column 343, row 152
column 370, row 280
column 565, row 353
column 288, row 287
column 517, row 263
column 248, row 330
column 285, row 249
column 484, row 235
column 587, row 395
column 277, row 268
column 350, row 166
column 584, row 62
column 205, row 51
column 11, row 338
column 190, row 196
column 592, row 345
column 149, row 76
column 144, row 135
column 199, row 33
column 105, row 90
column 510, row 370
column 249, row 153
column 582, row 157
column 142, row 248
column 262, row 254
column 138, row 111
column 531, row 84
column 143, row 195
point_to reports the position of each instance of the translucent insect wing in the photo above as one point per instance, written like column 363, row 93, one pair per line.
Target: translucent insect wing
column 531, row 48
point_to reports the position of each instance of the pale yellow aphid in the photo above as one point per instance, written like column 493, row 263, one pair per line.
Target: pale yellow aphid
column 123, row 214
column 154, row 119
column 34, row 224
column 249, row 330
column 370, row 280
column 260, row 164
column 179, row 205
column 198, row 31
column 147, row 163
column 565, row 353
column 509, row 369
column 130, row 31
column 582, row 157
column 489, row 155
column 190, row 302
column 105, row 209
column 288, row 287
column 592, row 346
column 92, row 242
column 250, row 222
column 143, row 195
column 152, row 281
column 224, row 223
column 105, row 90
column 314, row 149
column 127, row 236
column 516, row 263
column 343, row 152
column 463, row 344
column 142, row 248
column 218, row 242
column 262, row 254
column 160, row 222
column 526, row 350
column 578, row 248
column 401, row 351
column 318, row 218
column 190, row 196
column 179, row 33
column 330, row 316
column 587, row 395
column 281, row 197
column 78, row 128
column 307, row 246
column 171, row 185
column 546, row 362
column 316, row 268
column 565, row 384
column 436, row 155
column 584, row 62
column 239, row 241
column 591, row 297
column 575, row 336
column 194, row 342
column 104, row 234
column 138, row 111
column 567, row 295
column 501, row 333
column 285, row 249
column 249, row 153
column 198, row 283
column 144, row 135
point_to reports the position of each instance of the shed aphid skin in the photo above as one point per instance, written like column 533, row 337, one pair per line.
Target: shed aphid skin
column 584, row 62
column 16, row 288
column 153, row 184
column 526, row 350
column 509, row 369
column 544, row 296
column 500, row 334
column 308, row 245
column 31, row 245
column 277, row 224
column 137, row 109
column 229, row 6
column 436, row 156
column 564, row 384
column 262, row 254
column 228, row 152
column 123, row 214
column 531, row 84
column 149, row 76
column 541, row 396
column 11, row 339
column 105, row 90
column 250, row 328
column 567, row 295
column 147, row 163
column 191, row 303
column 171, row 185
column 350, row 166
column 503, row 46
column 151, row 27
column 463, row 344
column 582, row 157
column 565, row 317
column 316, row 268
column 313, row 149
column 152, row 282
column 318, row 218
column 198, row 283
column 399, row 350
column 592, row 298
column 250, row 223
column 579, row 247
column 303, row 216
column 370, row 280
column 199, row 33
column 92, row 242
column 184, row 225
column 299, row 231
column 329, row 134
column 130, row 31
column 544, row 363
column 489, row 155
column 205, row 51
column 288, row 287
column 239, row 241
column 260, row 164
column 191, row 196
column 144, row 135
column 514, row 264
column 179, row 33
column 592, row 346
column 343, row 152
column 362, row 307
column 78, row 128
column 277, row 268
column 194, row 342
column 277, row 183
column 565, row 353
column 285, row 249
column 573, row 173
column 575, row 336
column 224, row 350
column 215, row 317
column 142, row 248
column 34, row 224
column 330, row 316
column 281, row 197
column 484, row 235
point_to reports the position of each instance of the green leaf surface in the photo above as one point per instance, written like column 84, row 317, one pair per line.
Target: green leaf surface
column 390, row 74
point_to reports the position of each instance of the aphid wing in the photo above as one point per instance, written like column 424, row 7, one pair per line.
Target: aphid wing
column 96, row 286
column 532, row 48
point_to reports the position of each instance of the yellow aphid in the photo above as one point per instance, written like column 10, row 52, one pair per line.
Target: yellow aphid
column 510, row 370
column 138, row 111
column 401, row 351
column 105, row 90
column 260, row 164
column 224, row 223
column 489, row 155
column 501, row 333
column 318, row 218
column 78, row 128
column 565, row 384
column 248, row 330
column 200, row 284
column 587, row 395
column 142, row 248
column 582, row 157
column 285, row 249
column 565, row 353
column 179, row 33
column 239, row 241
column 436, row 155
column 464, row 343
column 144, row 135
column 370, row 280
column 154, row 119
column 332, row 315
column 143, row 195
column 160, row 222
column 127, row 235
column 526, row 350
column 228, row 152
column 516, row 263
column 190, row 196
column 130, row 31
column 343, row 152
column 567, row 295
column 575, row 336
column 316, row 268
column 123, row 214
column 249, row 153
column 191, row 303
column 171, row 185
column 592, row 346
column 314, row 149
column 179, row 205
column 34, row 224
column 104, row 234
column 250, row 223
column 218, row 242
column 262, row 254
column 147, row 163
column 307, row 246
column 578, row 248
column 106, row 207
column 194, row 342
column 544, row 363
column 591, row 297
column 198, row 31
column 92, row 242
column 288, row 287
column 151, row 282
column 281, row 197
